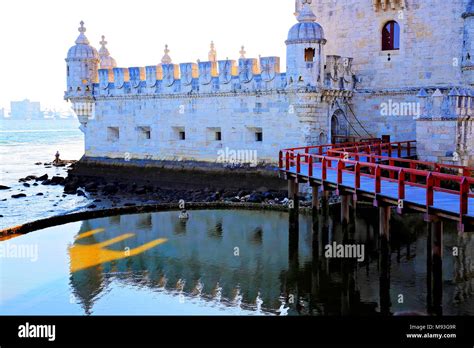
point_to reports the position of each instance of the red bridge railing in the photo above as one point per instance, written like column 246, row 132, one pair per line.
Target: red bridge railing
column 404, row 172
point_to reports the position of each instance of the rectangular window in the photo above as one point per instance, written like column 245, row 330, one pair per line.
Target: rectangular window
column 179, row 133
column 218, row 136
column 113, row 134
column 259, row 136
column 144, row 133
column 309, row 54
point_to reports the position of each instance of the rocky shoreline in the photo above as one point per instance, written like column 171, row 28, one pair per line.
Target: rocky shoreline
column 115, row 193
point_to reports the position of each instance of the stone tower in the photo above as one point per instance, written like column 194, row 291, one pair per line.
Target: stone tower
column 82, row 72
column 305, row 50
column 468, row 46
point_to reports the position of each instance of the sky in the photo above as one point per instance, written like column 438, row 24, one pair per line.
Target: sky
column 36, row 34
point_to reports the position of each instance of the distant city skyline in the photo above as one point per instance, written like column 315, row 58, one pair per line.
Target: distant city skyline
column 136, row 33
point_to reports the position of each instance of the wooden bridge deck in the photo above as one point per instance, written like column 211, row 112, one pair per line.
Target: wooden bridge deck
column 386, row 174
column 414, row 195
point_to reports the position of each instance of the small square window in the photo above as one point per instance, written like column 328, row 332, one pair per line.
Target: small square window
column 144, row 133
column 218, row 136
column 182, row 135
column 113, row 134
column 258, row 136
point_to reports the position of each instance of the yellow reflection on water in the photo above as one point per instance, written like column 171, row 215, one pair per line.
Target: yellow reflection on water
column 90, row 255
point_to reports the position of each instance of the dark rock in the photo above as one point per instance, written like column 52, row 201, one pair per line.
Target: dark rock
column 4, row 187
column 40, row 194
column 268, row 195
column 243, row 193
column 229, row 194
column 80, row 193
column 20, row 195
column 91, row 187
column 92, row 206
column 38, row 163
column 214, row 197
column 235, row 200
column 46, row 182
column 57, row 180
column 255, row 198
column 97, row 200
column 35, row 184
column 31, row 177
column 26, row 184
column 140, row 191
column 110, row 189
column 42, row 178
column 129, row 205
column 71, row 187
column 1, row 216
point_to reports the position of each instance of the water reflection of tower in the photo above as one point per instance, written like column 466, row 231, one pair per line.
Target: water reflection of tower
column 88, row 283
column 202, row 255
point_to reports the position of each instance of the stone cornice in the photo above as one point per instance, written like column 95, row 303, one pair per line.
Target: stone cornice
column 405, row 90
column 203, row 95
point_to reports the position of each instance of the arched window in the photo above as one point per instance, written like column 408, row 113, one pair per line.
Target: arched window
column 391, row 36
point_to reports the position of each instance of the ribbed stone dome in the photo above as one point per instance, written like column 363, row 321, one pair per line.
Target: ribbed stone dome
column 82, row 49
column 307, row 30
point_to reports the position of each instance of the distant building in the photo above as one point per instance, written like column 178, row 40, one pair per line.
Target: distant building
column 25, row 110
column 2, row 112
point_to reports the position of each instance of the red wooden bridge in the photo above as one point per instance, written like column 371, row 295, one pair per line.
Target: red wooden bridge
column 385, row 173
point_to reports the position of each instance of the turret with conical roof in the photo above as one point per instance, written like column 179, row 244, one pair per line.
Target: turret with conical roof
column 305, row 49
column 82, row 66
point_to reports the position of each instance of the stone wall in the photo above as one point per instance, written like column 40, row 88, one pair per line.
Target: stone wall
column 385, row 113
column 431, row 41
column 238, row 118
column 436, row 140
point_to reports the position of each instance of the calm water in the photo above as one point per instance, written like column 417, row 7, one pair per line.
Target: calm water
column 226, row 263
column 24, row 143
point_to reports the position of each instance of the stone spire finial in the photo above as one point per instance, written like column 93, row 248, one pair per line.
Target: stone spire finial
column 306, row 14
column 103, row 50
column 166, row 58
column 82, row 39
column 106, row 61
column 242, row 52
column 213, row 53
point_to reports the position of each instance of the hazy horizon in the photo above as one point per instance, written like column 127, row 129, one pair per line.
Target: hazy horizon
column 39, row 34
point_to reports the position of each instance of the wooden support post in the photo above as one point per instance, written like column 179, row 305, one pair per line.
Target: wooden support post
column 384, row 259
column 325, row 202
column 384, row 221
column 315, row 199
column 436, row 230
column 345, row 210
column 293, row 204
